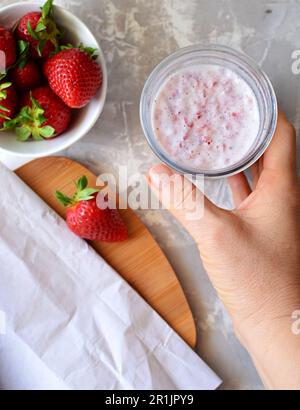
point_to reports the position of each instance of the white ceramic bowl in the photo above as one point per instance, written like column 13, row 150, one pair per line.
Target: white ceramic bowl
column 83, row 119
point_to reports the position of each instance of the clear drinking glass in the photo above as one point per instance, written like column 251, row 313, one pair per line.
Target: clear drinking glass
column 223, row 56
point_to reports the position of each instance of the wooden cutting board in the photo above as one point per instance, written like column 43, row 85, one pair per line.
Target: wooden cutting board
column 139, row 260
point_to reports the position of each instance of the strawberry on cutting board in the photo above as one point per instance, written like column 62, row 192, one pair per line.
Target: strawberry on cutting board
column 86, row 220
column 43, row 115
column 8, row 102
column 8, row 48
column 40, row 30
column 26, row 74
column 74, row 75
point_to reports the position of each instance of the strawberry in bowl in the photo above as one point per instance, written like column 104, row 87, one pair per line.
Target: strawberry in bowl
column 43, row 115
column 42, row 45
column 40, row 30
column 74, row 75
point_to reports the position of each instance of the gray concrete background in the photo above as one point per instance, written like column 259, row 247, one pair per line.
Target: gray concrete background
column 135, row 35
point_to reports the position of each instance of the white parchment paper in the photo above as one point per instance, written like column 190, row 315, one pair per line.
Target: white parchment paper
column 71, row 322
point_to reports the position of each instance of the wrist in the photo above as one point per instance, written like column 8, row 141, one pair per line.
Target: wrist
column 274, row 348
column 270, row 314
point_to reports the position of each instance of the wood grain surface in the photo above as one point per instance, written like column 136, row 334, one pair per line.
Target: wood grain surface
column 139, row 260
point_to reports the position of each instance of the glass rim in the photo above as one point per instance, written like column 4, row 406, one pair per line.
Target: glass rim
column 250, row 64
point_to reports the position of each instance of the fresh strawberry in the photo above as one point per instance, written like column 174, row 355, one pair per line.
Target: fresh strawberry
column 40, row 30
column 43, row 115
column 27, row 77
column 26, row 74
column 86, row 220
column 74, row 76
column 8, row 102
column 8, row 47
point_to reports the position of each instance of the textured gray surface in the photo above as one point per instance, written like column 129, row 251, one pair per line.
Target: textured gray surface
column 137, row 34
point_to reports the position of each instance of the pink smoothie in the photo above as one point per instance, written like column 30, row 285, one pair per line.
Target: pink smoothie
column 206, row 117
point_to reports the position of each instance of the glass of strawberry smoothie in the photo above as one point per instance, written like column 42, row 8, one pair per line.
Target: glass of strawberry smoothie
column 208, row 110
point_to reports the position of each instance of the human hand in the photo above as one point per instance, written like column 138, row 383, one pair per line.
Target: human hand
column 252, row 255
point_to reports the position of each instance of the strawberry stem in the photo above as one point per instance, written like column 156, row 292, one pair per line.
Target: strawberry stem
column 29, row 122
column 82, row 193
column 46, row 29
column 92, row 52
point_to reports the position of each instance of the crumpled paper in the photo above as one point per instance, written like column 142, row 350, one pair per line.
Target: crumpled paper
column 71, row 322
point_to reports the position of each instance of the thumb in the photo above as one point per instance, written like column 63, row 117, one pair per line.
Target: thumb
column 181, row 197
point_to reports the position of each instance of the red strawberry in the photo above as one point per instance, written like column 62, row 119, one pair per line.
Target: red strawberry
column 86, row 220
column 8, row 47
column 74, row 76
column 43, row 115
column 40, row 30
column 8, row 102
column 26, row 75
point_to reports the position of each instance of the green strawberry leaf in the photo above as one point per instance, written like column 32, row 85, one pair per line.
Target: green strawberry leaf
column 25, row 115
column 10, row 124
column 23, row 46
column 29, row 122
column 83, row 193
column 35, row 132
column 89, row 50
column 38, row 110
column 5, row 117
column 92, row 52
column 40, row 27
column 47, row 131
column 40, row 47
column 22, row 133
column 86, row 194
column 3, row 92
column 4, row 108
column 39, row 50
column 66, row 46
column 47, row 9
column 82, row 183
column 4, row 86
column 65, row 200
column 31, row 31
column 3, row 95
column 23, row 49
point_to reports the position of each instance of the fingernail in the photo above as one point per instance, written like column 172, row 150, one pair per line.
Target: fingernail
column 156, row 173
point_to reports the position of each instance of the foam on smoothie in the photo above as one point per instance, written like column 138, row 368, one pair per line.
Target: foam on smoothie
column 206, row 117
